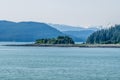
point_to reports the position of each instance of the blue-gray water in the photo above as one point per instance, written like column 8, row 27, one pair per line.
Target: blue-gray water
column 44, row 63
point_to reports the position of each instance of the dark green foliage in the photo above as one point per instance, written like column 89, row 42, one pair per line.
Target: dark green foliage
column 58, row 40
column 105, row 36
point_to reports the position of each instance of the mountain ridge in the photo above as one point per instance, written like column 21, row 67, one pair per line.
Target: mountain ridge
column 26, row 31
column 30, row 31
column 79, row 34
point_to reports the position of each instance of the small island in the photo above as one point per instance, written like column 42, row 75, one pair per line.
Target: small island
column 58, row 40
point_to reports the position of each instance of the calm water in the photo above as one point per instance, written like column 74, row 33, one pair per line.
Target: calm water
column 36, row 63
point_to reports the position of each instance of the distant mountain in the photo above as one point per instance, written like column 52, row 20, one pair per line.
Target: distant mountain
column 105, row 36
column 30, row 31
column 26, row 31
column 79, row 34
column 65, row 27
column 71, row 28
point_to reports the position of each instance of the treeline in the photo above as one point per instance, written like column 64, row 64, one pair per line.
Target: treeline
column 58, row 40
column 105, row 36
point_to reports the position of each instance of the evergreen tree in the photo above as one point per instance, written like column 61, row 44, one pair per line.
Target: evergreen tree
column 58, row 40
column 105, row 36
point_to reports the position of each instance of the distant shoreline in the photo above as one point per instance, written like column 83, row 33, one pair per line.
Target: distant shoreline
column 69, row 45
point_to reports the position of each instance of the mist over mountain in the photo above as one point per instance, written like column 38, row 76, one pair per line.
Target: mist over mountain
column 61, row 27
column 26, row 31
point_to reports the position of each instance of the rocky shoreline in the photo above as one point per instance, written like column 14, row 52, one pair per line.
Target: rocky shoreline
column 69, row 45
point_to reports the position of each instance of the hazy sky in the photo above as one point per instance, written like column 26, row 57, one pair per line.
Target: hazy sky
column 72, row 12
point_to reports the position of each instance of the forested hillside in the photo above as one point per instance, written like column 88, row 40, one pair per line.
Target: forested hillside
column 26, row 31
column 105, row 36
